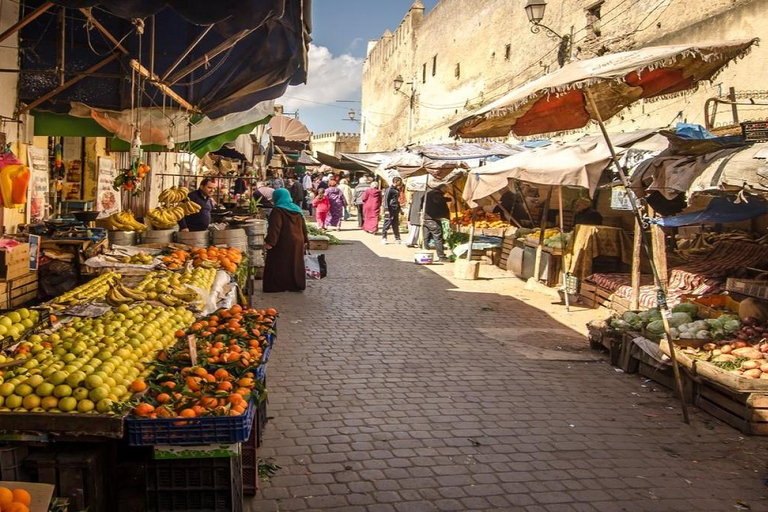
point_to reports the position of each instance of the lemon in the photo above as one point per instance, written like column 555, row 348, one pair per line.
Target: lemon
column 62, row 390
column 45, row 389
column 99, row 393
column 67, row 404
column 23, row 313
column 5, row 321
column 85, row 405
column 49, row 402
column 80, row 394
column 7, row 389
column 24, row 389
column 31, row 401
column 14, row 317
column 13, row 401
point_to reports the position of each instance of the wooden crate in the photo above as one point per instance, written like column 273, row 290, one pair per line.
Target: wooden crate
column 506, row 248
column 18, row 291
column 318, row 245
column 588, row 294
column 747, row 412
column 487, row 256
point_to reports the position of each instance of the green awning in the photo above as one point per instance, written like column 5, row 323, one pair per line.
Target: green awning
column 62, row 125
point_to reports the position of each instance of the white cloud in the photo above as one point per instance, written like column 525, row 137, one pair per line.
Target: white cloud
column 330, row 78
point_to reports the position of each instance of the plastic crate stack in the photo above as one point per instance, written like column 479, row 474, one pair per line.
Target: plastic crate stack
column 212, row 484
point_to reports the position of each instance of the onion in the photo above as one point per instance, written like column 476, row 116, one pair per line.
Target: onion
column 709, row 346
column 750, row 365
column 764, row 367
column 759, row 329
column 749, row 320
column 764, row 347
column 742, row 343
column 764, row 375
column 716, row 353
column 752, row 374
column 743, row 336
column 726, row 349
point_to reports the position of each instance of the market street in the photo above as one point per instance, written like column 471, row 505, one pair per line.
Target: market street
column 388, row 390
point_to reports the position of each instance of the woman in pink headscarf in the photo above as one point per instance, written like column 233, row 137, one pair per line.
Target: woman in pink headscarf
column 372, row 208
column 336, row 198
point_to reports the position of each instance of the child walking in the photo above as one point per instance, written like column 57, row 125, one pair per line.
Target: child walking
column 322, row 207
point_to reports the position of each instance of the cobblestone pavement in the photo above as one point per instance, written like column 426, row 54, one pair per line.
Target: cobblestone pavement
column 391, row 390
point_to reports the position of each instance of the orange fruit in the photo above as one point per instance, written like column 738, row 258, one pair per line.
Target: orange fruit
column 16, row 506
column 187, row 413
column 221, row 374
column 22, row 496
column 138, row 386
column 200, row 372
column 180, row 333
column 271, row 312
column 143, row 409
column 163, row 398
column 6, row 496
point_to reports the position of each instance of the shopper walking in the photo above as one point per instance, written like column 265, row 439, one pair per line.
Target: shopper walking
column 346, row 191
column 392, row 207
column 372, row 208
column 435, row 210
column 414, row 218
column 357, row 199
column 322, row 206
column 336, row 198
column 285, row 243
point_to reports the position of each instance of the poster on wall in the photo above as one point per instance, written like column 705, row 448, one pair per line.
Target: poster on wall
column 107, row 199
column 37, row 198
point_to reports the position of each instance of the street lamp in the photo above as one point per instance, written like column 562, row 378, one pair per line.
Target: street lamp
column 398, row 84
column 351, row 114
column 535, row 10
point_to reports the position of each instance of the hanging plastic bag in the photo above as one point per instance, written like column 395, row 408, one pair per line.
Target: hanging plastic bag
column 14, row 182
column 315, row 266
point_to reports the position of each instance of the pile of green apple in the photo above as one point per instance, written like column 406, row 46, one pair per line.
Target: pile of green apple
column 15, row 323
column 88, row 365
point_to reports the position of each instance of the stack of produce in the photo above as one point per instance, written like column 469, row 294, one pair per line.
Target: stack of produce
column 683, row 324
column 124, row 221
column 14, row 499
column 215, row 257
column 176, row 260
column 90, row 365
column 15, row 324
column 176, row 206
column 160, row 281
column 95, row 289
column 229, row 347
column 482, row 219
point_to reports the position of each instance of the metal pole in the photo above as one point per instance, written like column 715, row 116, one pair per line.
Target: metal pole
column 562, row 249
column 542, row 228
column 662, row 296
column 471, row 237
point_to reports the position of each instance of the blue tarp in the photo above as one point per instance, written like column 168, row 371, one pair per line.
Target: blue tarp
column 719, row 211
column 692, row 131
column 271, row 52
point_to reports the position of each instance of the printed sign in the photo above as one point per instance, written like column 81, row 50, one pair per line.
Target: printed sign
column 107, row 199
column 37, row 198
column 34, row 252
column 620, row 199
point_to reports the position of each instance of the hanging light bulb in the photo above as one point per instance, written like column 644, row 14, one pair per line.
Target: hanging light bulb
column 136, row 146
column 170, row 143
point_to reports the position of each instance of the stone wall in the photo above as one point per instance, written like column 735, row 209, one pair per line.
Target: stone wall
column 481, row 49
column 334, row 143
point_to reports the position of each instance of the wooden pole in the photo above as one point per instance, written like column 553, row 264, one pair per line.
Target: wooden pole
column 562, row 249
column 25, row 21
column 659, row 251
column 471, row 236
column 525, row 204
column 660, row 285
column 637, row 251
column 542, row 228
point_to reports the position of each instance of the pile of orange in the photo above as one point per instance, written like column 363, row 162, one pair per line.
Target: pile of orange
column 14, row 500
column 227, row 258
column 176, row 260
column 229, row 345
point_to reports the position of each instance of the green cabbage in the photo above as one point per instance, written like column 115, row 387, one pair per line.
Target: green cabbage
column 678, row 319
column 686, row 307
column 715, row 323
column 728, row 317
column 632, row 319
column 731, row 325
column 656, row 327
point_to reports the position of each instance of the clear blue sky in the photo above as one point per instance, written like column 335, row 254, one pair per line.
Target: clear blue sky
column 341, row 30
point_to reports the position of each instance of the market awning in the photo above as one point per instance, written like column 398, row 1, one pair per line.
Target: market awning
column 338, row 163
column 556, row 101
column 465, row 150
column 579, row 164
column 213, row 57
column 719, row 211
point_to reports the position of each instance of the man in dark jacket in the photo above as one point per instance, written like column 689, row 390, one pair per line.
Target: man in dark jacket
column 202, row 196
column 435, row 210
column 357, row 198
column 391, row 203
column 296, row 190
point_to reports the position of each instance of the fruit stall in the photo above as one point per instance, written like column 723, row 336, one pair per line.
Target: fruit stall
column 159, row 376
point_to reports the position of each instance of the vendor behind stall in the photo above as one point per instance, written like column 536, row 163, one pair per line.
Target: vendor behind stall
column 585, row 213
column 201, row 220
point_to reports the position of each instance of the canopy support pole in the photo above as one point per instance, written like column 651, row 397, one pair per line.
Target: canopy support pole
column 25, row 21
column 186, row 52
column 66, row 85
column 519, row 192
column 542, row 228
column 226, row 45
column 155, row 80
column 62, row 58
column 562, row 249
column 637, row 248
column 661, row 292
column 471, row 237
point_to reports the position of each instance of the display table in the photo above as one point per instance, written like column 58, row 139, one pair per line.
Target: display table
column 522, row 261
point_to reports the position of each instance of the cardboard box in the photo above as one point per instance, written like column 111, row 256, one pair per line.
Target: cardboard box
column 41, row 494
column 14, row 263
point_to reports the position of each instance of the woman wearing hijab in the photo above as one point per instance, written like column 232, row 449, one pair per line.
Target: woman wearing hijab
column 286, row 239
column 371, row 208
column 336, row 198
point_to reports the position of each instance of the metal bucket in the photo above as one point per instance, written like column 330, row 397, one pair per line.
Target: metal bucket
column 158, row 236
column 194, row 238
column 230, row 237
column 257, row 227
column 122, row 237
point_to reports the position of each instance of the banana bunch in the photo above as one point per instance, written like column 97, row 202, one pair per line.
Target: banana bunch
column 124, row 221
column 173, row 195
column 121, row 294
column 95, row 289
column 177, row 296
column 166, row 217
column 190, row 207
